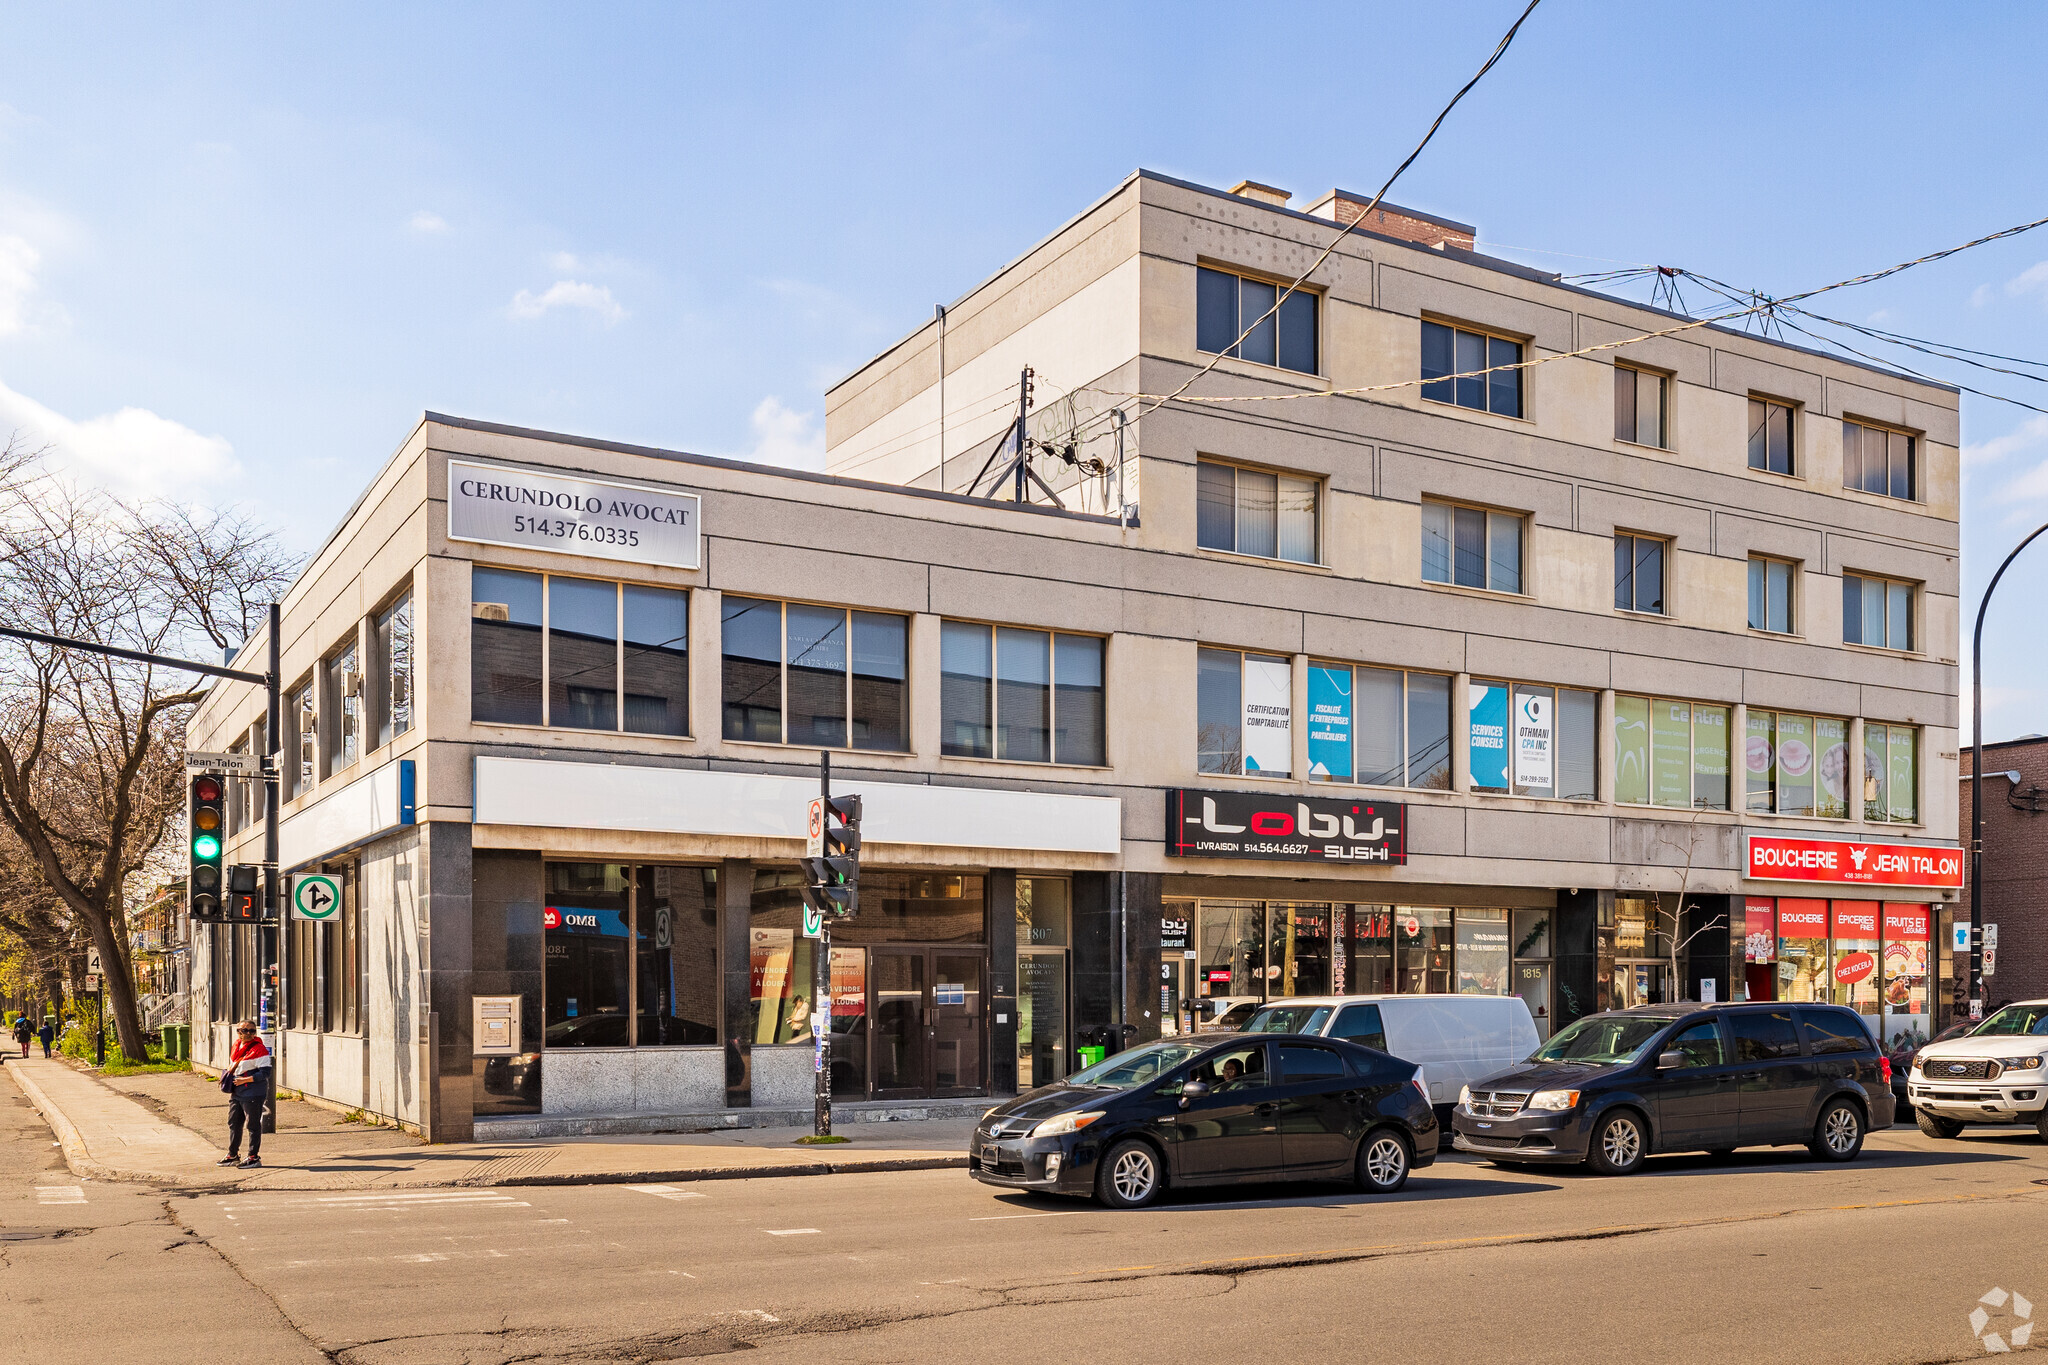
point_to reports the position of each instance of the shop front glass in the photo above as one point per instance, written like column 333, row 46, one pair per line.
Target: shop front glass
column 1177, row 963
column 1044, row 915
column 1907, row 938
column 1642, row 953
column 1482, row 953
column 1853, row 972
column 1530, row 931
column 1371, row 969
column 1803, row 950
column 1233, row 950
column 1423, row 945
column 1298, row 949
column 1760, row 948
column 630, row 956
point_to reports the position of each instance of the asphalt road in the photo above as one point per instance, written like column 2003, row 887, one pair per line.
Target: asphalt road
column 1766, row 1257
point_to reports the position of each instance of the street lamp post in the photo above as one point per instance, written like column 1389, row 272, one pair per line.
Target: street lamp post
column 1977, row 781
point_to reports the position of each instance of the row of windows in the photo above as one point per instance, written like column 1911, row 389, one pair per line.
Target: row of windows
column 340, row 712
column 1392, row 728
column 1476, row 369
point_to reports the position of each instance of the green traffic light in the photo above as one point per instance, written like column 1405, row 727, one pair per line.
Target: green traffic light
column 206, row 846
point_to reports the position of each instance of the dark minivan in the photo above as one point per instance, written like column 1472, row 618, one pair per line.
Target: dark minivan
column 1613, row 1088
column 1214, row 1109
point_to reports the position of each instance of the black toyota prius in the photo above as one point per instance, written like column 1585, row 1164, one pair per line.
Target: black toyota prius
column 1213, row 1109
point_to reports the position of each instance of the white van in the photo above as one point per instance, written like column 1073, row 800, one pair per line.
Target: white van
column 1455, row 1039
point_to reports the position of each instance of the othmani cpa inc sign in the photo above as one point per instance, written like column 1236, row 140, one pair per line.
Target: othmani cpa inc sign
column 495, row 505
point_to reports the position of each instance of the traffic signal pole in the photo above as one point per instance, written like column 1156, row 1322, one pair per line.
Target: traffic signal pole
column 821, row 991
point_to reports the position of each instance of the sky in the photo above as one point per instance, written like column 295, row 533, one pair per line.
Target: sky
column 243, row 247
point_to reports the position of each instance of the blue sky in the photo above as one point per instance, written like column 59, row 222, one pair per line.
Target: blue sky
column 242, row 247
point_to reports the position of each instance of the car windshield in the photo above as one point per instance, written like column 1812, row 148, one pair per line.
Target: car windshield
column 1604, row 1039
column 2014, row 1020
column 1288, row 1019
column 1138, row 1066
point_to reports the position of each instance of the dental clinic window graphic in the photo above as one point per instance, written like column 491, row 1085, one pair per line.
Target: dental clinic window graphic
column 1310, row 829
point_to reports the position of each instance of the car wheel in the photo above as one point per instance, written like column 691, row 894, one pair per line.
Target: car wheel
column 1935, row 1126
column 1130, row 1176
column 1838, row 1134
column 2041, row 1125
column 1383, row 1162
column 1619, row 1144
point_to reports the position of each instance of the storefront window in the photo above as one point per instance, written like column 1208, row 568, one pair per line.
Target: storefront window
column 1233, row 949
column 1422, row 950
column 1372, row 951
column 1906, row 943
column 1803, row 950
column 1760, row 948
column 589, row 955
column 1796, row 765
column 1891, row 784
column 616, row 933
column 1854, row 970
column 676, row 915
column 1298, row 951
column 1042, row 934
column 1482, row 960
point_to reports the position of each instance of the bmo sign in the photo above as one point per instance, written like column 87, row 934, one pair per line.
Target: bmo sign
column 1852, row 862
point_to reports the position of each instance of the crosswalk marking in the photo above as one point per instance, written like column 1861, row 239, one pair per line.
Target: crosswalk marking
column 789, row 1232
column 60, row 1194
column 394, row 1201
column 667, row 1192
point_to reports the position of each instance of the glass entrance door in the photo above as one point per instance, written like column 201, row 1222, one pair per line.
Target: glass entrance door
column 956, row 1031
column 897, row 994
column 1041, row 1017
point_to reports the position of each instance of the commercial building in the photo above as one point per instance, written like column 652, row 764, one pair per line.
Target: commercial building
column 2015, row 871
column 1388, row 678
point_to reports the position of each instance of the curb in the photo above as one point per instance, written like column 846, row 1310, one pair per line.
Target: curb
column 75, row 1154
column 922, row 1163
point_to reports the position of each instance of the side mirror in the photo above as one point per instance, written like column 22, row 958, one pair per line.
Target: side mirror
column 1192, row 1090
column 1670, row 1061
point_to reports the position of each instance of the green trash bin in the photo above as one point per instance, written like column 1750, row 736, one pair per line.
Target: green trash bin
column 1091, row 1055
column 177, row 1042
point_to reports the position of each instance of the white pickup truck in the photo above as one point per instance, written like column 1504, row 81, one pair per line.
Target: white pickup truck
column 1998, row 1073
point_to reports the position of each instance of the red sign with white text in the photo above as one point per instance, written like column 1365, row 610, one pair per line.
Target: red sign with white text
column 1853, row 967
column 550, row 918
column 1829, row 860
column 1906, row 922
column 1855, row 919
column 1802, row 919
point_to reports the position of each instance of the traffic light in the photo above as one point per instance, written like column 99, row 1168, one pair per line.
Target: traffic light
column 245, row 894
column 832, row 882
column 205, row 827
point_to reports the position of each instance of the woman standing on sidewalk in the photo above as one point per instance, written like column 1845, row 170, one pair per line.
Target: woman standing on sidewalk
column 247, row 1083
column 22, row 1033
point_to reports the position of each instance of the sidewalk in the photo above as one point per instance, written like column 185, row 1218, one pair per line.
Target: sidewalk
column 169, row 1130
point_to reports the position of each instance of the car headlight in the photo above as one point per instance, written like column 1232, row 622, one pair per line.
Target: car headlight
column 1554, row 1099
column 1465, row 1097
column 2020, row 1063
column 1065, row 1123
column 1916, row 1062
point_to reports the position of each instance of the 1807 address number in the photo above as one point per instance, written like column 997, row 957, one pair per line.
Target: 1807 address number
column 574, row 530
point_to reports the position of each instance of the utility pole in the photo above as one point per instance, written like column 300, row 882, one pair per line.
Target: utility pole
column 821, row 990
column 1023, row 447
column 940, row 312
column 272, row 901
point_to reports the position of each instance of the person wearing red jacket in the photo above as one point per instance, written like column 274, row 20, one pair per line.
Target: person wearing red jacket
column 247, row 1084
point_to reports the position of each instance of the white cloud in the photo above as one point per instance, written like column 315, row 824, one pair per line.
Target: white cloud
column 18, row 262
column 2032, row 280
column 133, row 450
column 566, row 263
column 2028, row 434
column 786, row 437
column 596, row 298
column 1980, row 296
column 2028, row 487
column 427, row 223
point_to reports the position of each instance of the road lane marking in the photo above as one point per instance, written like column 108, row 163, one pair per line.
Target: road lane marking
column 789, row 1232
column 60, row 1194
column 667, row 1192
column 1006, row 1217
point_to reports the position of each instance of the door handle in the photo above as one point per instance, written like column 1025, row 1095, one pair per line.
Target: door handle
column 1266, row 1111
column 1750, row 1076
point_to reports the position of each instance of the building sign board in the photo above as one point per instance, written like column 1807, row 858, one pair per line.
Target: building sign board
column 1488, row 730
column 597, row 518
column 1268, row 702
column 1329, row 723
column 1302, row 829
column 1852, row 861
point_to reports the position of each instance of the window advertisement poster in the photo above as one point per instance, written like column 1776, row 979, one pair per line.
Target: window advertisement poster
column 1535, row 731
column 1488, row 728
column 1908, row 933
column 1268, row 716
column 1760, row 936
column 1757, row 752
column 1710, row 756
column 1671, row 753
column 1831, row 743
column 1803, row 950
column 1329, row 723
column 1903, row 788
column 1795, row 765
column 1632, row 750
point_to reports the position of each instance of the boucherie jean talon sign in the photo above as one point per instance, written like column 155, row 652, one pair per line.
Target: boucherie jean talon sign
column 1296, row 829
column 1854, row 862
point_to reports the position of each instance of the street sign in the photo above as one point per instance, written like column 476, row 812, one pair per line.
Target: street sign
column 1990, row 936
column 814, row 921
column 1991, row 962
column 316, row 896
column 92, row 961
column 92, row 981
column 814, row 828
column 231, row 765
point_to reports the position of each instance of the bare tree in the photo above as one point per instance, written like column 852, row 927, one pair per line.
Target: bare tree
column 1671, row 918
column 91, row 747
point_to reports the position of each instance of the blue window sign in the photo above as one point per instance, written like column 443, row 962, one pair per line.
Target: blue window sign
column 1329, row 724
column 1489, row 731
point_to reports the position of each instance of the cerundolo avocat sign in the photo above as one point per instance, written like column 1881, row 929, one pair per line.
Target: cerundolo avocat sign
column 496, row 505
column 1301, row 829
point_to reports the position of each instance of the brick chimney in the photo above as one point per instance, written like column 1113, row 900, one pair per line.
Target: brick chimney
column 1391, row 220
column 1265, row 194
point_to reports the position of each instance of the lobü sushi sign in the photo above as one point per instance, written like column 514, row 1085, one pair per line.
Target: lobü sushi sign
column 1300, row 829
column 1827, row 860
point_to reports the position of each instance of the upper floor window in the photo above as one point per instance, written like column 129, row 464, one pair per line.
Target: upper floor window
column 1770, row 436
column 302, row 731
column 1471, row 547
column 1251, row 512
column 1877, row 611
column 1379, row 726
column 1797, row 765
column 391, row 678
column 1639, row 406
column 1532, row 740
column 1770, row 594
column 578, row 652
column 341, row 701
column 1670, row 753
column 1638, row 574
column 1448, row 351
column 823, row 677
column 1226, row 304
column 1875, row 460
column 1244, row 713
column 1029, row 696
column 1891, row 776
